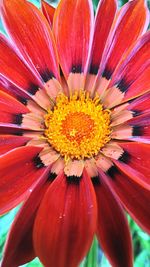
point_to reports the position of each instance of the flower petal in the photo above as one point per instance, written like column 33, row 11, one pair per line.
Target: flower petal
column 74, row 168
column 10, row 108
column 48, row 11
column 19, row 247
column 139, row 86
column 31, row 34
column 132, row 68
column 59, row 228
column 18, row 78
column 113, row 230
column 136, row 129
column 137, row 156
column 9, row 142
column 129, row 110
column 135, row 196
column 15, row 114
column 140, row 105
column 133, row 15
column 72, row 29
column 106, row 9
column 132, row 65
column 20, row 171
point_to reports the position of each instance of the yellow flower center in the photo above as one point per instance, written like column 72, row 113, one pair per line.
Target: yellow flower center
column 78, row 126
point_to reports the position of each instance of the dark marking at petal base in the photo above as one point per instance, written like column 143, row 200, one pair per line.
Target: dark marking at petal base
column 95, row 180
column 136, row 113
column 18, row 119
column 125, row 157
column 123, row 86
column 137, row 131
column 107, row 73
column 47, row 75
column 18, row 133
column 61, row 72
column 76, row 68
column 33, row 89
column 52, row 176
column 38, row 162
column 93, row 69
column 22, row 100
column 112, row 171
column 73, row 179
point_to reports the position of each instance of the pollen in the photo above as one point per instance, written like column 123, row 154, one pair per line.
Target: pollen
column 78, row 126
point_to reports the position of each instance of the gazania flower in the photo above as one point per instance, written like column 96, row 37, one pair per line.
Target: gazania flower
column 74, row 143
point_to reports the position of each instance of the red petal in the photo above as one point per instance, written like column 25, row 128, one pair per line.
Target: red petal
column 66, row 222
column 137, row 156
column 19, row 247
column 20, row 171
column 72, row 29
column 11, row 130
column 17, row 79
column 48, row 12
column 17, row 72
column 31, row 34
column 9, row 142
column 136, row 129
column 135, row 65
column 106, row 9
column 140, row 105
column 133, row 16
column 141, row 127
column 134, row 196
column 113, row 231
column 11, row 105
column 139, row 86
column 10, row 110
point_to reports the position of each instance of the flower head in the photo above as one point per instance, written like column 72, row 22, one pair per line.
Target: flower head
column 75, row 129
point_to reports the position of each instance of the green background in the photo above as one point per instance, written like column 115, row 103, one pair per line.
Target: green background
column 95, row 258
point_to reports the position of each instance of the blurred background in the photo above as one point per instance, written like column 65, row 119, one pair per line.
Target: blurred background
column 95, row 257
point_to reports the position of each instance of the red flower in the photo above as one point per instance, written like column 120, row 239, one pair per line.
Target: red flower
column 74, row 144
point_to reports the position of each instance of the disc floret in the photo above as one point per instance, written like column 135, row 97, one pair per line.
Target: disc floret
column 78, row 126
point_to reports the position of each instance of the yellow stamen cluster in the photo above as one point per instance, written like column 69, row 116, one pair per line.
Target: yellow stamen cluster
column 78, row 127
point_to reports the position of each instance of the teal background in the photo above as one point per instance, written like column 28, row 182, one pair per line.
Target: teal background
column 95, row 258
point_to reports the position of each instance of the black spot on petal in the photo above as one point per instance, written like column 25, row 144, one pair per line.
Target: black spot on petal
column 73, row 179
column 112, row 171
column 137, row 131
column 76, row 68
column 47, row 75
column 22, row 100
column 52, row 176
column 18, row 119
column 95, row 180
column 61, row 72
column 18, row 133
column 93, row 69
column 136, row 113
column 125, row 157
column 38, row 162
column 33, row 89
column 107, row 73
column 123, row 85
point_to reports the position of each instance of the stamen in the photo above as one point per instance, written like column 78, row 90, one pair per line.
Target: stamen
column 78, row 127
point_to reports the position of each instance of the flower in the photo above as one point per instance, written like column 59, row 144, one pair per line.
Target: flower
column 75, row 129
